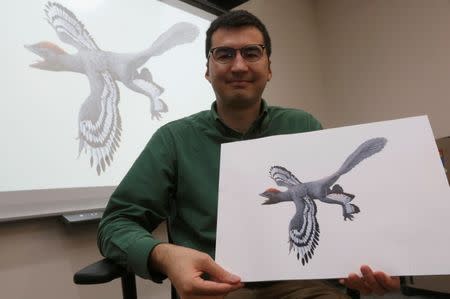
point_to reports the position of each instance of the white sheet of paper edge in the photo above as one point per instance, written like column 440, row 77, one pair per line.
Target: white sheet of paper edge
column 404, row 197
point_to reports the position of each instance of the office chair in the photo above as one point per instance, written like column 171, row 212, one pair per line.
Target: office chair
column 106, row 270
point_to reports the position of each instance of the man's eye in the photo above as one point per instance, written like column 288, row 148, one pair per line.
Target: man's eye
column 252, row 52
column 223, row 53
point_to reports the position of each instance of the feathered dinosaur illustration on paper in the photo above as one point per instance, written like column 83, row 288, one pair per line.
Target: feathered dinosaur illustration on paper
column 304, row 227
column 99, row 122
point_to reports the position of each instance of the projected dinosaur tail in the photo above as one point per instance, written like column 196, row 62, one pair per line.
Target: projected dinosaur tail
column 178, row 34
column 365, row 150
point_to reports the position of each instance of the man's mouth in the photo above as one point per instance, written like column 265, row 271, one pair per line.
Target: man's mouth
column 239, row 82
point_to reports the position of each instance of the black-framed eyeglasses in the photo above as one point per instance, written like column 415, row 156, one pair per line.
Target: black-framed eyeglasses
column 250, row 53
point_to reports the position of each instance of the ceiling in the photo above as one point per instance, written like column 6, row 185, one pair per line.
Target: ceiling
column 216, row 7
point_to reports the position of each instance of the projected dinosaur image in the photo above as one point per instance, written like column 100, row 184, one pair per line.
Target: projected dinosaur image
column 99, row 121
column 304, row 227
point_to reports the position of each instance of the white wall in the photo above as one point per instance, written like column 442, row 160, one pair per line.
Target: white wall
column 385, row 60
column 358, row 61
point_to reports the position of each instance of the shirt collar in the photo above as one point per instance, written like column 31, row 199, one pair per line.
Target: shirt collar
column 264, row 109
column 260, row 123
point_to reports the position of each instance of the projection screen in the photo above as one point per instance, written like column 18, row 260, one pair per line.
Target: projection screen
column 85, row 85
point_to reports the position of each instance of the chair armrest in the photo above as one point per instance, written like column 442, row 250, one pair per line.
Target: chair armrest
column 101, row 271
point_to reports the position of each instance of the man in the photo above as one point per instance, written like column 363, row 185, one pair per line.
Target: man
column 176, row 178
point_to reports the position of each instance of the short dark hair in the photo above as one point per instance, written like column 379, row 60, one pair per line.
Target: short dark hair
column 237, row 19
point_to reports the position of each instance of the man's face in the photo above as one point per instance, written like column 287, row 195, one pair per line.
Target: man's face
column 238, row 83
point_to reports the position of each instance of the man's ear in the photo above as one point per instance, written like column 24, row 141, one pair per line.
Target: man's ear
column 207, row 72
column 269, row 75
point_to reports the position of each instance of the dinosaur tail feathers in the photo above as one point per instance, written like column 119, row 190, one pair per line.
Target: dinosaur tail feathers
column 178, row 34
column 365, row 150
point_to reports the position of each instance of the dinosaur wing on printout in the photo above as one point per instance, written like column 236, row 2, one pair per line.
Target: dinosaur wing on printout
column 337, row 193
column 99, row 122
column 304, row 231
column 283, row 177
column 68, row 28
column 344, row 198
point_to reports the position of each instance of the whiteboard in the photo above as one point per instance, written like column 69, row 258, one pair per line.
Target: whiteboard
column 43, row 171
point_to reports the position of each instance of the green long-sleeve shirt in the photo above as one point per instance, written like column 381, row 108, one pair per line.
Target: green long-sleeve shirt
column 176, row 178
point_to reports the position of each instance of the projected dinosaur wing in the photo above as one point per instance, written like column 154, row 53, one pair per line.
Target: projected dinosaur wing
column 283, row 177
column 99, row 123
column 68, row 28
column 304, row 230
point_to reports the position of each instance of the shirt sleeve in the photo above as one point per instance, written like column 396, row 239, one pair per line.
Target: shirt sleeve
column 314, row 124
column 138, row 205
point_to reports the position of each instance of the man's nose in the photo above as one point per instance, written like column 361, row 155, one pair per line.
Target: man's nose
column 239, row 64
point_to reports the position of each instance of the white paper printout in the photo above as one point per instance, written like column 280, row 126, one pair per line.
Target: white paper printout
column 371, row 194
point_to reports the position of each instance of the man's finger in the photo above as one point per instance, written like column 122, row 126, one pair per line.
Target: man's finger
column 218, row 273
column 353, row 281
column 387, row 282
column 370, row 279
column 208, row 287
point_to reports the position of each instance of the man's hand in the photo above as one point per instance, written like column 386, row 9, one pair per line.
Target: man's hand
column 371, row 282
column 185, row 267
